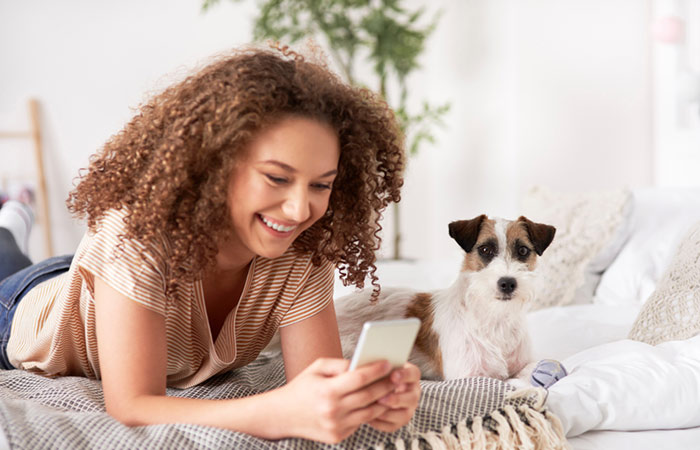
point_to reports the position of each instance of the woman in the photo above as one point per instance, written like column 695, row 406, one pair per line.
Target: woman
column 216, row 216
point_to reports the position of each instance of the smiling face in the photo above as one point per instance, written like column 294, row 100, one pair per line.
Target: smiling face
column 280, row 187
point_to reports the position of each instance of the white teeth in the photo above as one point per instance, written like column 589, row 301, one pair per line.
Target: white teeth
column 276, row 226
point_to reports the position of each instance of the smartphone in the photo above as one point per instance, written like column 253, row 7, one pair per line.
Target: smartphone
column 391, row 340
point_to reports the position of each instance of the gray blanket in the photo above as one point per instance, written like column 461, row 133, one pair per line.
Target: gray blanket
column 68, row 412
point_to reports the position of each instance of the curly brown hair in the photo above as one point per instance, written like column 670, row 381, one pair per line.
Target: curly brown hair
column 170, row 165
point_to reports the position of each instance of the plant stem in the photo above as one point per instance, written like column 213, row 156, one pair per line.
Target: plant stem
column 397, row 232
column 397, row 216
column 316, row 14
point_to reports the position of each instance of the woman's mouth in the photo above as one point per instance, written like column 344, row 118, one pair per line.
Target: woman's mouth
column 278, row 227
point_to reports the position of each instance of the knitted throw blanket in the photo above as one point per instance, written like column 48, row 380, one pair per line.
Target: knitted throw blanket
column 473, row 413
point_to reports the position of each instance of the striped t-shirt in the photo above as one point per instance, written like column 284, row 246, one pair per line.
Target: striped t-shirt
column 53, row 331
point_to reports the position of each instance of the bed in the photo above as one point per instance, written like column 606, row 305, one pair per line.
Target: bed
column 611, row 263
column 629, row 334
column 611, row 260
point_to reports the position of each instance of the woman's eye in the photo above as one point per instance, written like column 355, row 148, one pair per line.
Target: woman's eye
column 276, row 180
column 322, row 186
column 523, row 251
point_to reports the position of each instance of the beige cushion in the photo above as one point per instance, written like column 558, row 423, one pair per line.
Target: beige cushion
column 590, row 232
column 673, row 310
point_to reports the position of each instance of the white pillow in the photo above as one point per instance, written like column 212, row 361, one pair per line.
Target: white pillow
column 560, row 332
column 627, row 386
column 660, row 219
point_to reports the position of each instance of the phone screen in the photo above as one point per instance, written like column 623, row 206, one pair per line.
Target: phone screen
column 390, row 340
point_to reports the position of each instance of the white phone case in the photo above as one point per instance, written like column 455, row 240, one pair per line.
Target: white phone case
column 391, row 340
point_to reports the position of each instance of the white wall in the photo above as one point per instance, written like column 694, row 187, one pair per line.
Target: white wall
column 553, row 92
column 676, row 121
column 90, row 63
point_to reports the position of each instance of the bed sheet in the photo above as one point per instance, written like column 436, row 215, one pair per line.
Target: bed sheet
column 688, row 439
column 608, row 440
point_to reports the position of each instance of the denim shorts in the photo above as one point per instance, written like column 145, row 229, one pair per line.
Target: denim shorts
column 16, row 286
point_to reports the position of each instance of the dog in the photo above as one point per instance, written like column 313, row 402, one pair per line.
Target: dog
column 476, row 327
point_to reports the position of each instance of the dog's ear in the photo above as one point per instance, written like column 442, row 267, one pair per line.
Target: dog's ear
column 541, row 235
column 465, row 232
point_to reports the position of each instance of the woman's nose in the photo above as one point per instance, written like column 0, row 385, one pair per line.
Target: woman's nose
column 296, row 205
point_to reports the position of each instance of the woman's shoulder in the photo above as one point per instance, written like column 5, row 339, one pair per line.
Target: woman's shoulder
column 112, row 236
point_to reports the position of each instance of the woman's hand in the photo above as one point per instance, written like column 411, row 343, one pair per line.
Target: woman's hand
column 327, row 403
column 402, row 402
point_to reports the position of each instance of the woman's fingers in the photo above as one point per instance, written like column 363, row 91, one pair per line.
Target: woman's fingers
column 366, row 415
column 406, row 399
column 392, row 420
column 402, row 402
column 357, row 379
column 409, row 373
column 369, row 384
column 329, row 367
column 369, row 394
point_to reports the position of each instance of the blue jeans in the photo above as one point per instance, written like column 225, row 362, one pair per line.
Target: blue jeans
column 17, row 277
column 11, row 258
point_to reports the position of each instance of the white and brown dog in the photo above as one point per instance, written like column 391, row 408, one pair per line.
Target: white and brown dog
column 476, row 327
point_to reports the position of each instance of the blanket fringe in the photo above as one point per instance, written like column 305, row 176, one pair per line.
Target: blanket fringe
column 528, row 426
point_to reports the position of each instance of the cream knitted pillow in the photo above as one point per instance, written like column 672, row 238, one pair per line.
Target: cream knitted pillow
column 673, row 310
column 586, row 242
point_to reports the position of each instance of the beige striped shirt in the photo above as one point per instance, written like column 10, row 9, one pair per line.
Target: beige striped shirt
column 53, row 331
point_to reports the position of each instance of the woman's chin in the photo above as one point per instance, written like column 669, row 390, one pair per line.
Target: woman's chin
column 273, row 250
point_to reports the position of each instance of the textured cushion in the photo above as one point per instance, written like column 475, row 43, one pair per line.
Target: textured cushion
column 673, row 310
column 591, row 229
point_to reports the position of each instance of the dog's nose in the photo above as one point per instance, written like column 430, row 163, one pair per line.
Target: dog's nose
column 507, row 285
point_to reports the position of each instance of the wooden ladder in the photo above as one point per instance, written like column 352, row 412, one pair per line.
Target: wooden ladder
column 34, row 134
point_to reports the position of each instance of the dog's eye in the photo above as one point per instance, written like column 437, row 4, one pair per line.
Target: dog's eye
column 485, row 250
column 523, row 251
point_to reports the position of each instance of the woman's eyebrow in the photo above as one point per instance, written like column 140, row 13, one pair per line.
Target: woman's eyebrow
column 291, row 169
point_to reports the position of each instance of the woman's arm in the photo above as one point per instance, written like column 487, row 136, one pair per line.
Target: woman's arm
column 323, row 402
column 131, row 344
column 310, row 339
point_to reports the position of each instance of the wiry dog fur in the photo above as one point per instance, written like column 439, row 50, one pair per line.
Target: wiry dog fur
column 476, row 327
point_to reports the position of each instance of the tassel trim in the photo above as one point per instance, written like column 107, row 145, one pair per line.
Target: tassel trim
column 523, row 424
